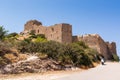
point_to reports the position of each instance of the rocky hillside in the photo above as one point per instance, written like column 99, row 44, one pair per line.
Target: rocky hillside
column 32, row 64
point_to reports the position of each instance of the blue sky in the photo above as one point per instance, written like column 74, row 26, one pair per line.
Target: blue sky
column 86, row 16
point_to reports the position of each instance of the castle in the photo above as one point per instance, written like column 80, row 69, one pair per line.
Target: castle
column 63, row 33
column 58, row 32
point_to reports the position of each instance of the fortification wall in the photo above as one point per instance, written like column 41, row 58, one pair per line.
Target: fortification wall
column 66, row 33
column 58, row 32
column 63, row 33
column 96, row 42
column 112, row 47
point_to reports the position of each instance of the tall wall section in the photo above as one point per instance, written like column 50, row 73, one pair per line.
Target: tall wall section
column 96, row 42
column 66, row 33
column 59, row 32
column 54, row 33
column 112, row 47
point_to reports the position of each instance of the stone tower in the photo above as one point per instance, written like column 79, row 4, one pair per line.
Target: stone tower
column 59, row 32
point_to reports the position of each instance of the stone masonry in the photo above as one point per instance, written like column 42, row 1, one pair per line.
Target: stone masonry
column 96, row 42
column 58, row 32
column 63, row 33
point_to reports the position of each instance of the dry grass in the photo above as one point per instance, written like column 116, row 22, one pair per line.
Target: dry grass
column 15, row 57
column 22, row 57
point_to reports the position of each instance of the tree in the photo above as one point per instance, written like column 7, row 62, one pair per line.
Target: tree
column 3, row 32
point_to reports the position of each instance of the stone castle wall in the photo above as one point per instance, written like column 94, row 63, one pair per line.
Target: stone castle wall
column 112, row 47
column 58, row 32
column 96, row 42
column 63, row 33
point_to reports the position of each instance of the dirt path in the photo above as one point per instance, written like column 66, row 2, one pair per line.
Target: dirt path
column 110, row 71
column 51, row 75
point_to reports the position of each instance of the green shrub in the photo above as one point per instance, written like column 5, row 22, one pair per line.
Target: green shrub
column 12, row 35
column 11, row 39
column 82, row 44
column 79, row 56
column 41, row 35
column 39, row 39
column 93, row 54
column 74, row 54
column 23, row 45
column 5, row 48
column 115, row 58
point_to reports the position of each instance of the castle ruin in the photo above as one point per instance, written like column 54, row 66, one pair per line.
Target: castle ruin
column 58, row 32
column 63, row 33
column 96, row 42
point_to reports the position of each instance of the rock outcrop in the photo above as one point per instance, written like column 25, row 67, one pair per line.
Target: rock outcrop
column 32, row 64
column 96, row 42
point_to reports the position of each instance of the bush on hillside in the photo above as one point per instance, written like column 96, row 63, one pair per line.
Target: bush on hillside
column 12, row 35
column 79, row 55
column 93, row 54
column 115, row 58
column 82, row 44
column 74, row 54
column 23, row 45
column 5, row 48
column 40, row 39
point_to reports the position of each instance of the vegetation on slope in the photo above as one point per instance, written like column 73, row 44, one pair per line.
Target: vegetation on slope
column 76, row 54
